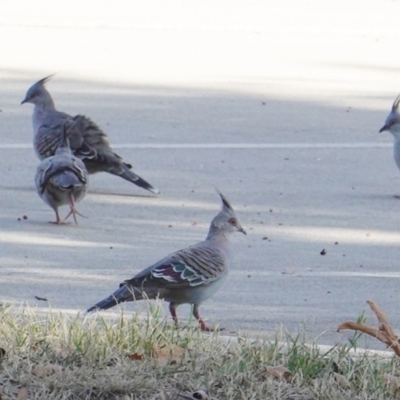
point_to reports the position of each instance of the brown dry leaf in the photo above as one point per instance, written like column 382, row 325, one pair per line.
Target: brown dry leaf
column 355, row 326
column 382, row 318
column 342, row 381
column 42, row 371
column 171, row 354
column 22, row 394
column 384, row 333
column 278, row 373
column 135, row 356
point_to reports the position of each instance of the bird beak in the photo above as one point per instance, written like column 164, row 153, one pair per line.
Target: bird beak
column 242, row 231
column 384, row 128
column 24, row 101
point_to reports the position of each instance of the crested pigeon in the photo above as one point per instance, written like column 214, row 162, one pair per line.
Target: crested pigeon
column 191, row 275
column 62, row 179
column 392, row 124
column 87, row 140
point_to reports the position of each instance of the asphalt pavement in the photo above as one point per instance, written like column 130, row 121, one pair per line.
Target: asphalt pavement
column 278, row 104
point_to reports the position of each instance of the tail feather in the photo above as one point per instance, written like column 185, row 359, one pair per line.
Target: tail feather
column 121, row 295
column 136, row 179
column 67, row 179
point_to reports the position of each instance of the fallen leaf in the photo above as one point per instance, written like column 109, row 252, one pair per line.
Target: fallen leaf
column 382, row 318
column 278, row 373
column 42, row 371
column 384, row 333
column 22, row 394
column 342, row 381
column 355, row 326
column 168, row 354
column 135, row 356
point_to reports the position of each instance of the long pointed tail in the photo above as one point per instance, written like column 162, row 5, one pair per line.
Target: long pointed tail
column 137, row 180
column 121, row 295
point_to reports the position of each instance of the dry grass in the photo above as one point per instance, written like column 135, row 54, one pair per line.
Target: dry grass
column 59, row 357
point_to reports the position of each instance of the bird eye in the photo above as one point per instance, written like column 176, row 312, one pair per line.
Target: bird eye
column 233, row 221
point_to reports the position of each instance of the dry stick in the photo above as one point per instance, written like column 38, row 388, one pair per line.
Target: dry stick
column 384, row 333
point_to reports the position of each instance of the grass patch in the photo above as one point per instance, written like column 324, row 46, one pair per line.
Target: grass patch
column 61, row 357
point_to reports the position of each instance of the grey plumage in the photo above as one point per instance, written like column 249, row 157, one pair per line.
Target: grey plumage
column 87, row 140
column 392, row 124
column 190, row 275
column 62, row 179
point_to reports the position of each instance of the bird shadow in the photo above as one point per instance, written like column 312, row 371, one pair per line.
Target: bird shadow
column 29, row 189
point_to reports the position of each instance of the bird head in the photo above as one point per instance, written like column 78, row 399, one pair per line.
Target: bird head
column 392, row 123
column 37, row 93
column 226, row 221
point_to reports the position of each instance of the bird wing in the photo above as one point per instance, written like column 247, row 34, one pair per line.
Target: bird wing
column 56, row 165
column 94, row 146
column 48, row 138
column 194, row 266
column 41, row 174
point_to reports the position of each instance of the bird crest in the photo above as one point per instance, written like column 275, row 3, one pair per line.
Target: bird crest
column 45, row 80
column 396, row 104
column 226, row 206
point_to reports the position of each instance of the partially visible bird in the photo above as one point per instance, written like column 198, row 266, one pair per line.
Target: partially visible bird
column 62, row 179
column 191, row 275
column 87, row 140
column 197, row 395
column 392, row 124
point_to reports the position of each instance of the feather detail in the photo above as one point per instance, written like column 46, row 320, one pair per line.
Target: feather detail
column 194, row 266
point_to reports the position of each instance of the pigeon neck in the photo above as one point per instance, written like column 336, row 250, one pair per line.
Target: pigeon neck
column 217, row 234
column 47, row 105
column 40, row 113
column 44, row 102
